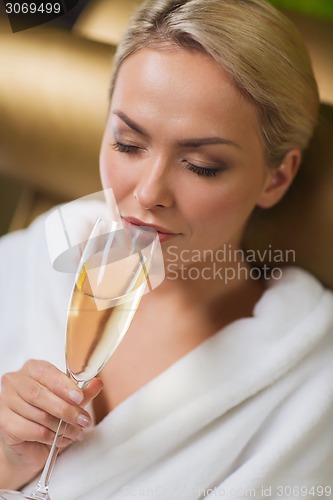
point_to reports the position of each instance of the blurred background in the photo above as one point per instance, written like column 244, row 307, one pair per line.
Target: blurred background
column 54, row 98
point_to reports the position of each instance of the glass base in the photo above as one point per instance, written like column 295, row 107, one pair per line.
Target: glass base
column 15, row 495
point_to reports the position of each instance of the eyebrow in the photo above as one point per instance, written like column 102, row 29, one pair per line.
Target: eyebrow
column 189, row 143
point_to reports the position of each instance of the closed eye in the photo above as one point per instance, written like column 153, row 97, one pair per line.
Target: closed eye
column 202, row 171
column 125, row 148
column 197, row 169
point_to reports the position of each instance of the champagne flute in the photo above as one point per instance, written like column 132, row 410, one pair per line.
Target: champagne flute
column 115, row 270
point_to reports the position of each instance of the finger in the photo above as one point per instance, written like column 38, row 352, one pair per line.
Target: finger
column 23, row 430
column 25, row 410
column 54, row 379
column 9, row 422
column 40, row 417
column 39, row 396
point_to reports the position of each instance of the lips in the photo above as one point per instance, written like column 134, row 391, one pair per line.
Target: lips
column 164, row 234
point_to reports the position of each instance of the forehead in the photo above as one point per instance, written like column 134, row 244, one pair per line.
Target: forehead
column 178, row 86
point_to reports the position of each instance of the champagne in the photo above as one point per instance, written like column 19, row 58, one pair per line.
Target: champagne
column 104, row 301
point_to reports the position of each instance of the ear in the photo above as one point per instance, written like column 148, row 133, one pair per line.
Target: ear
column 279, row 179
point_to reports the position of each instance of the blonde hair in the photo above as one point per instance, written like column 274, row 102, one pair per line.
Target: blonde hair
column 255, row 43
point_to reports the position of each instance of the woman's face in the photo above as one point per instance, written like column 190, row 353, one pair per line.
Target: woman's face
column 182, row 149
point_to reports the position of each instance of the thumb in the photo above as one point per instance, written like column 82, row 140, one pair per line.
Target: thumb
column 92, row 390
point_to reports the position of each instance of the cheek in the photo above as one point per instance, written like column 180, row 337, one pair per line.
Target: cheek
column 220, row 203
column 106, row 164
column 103, row 169
column 219, row 213
column 112, row 174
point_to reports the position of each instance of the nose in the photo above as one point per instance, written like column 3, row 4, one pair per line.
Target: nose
column 154, row 187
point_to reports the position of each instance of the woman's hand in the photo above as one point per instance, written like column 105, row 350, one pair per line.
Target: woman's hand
column 32, row 401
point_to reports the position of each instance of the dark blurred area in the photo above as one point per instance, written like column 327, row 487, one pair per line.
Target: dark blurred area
column 15, row 199
column 320, row 9
column 65, row 21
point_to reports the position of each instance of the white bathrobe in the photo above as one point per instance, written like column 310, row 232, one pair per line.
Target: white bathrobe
column 246, row 414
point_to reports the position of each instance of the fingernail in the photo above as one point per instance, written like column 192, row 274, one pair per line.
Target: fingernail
column 83, row 420
column 76, row 396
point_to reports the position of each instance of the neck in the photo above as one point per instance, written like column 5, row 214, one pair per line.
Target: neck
column 226, row 287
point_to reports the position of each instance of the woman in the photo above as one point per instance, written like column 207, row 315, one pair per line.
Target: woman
column 222, row 385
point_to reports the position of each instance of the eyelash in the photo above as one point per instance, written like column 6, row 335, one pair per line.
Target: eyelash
column 200, row 171
column 124, row 148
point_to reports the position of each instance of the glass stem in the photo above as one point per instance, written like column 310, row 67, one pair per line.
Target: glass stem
column 42, row 490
